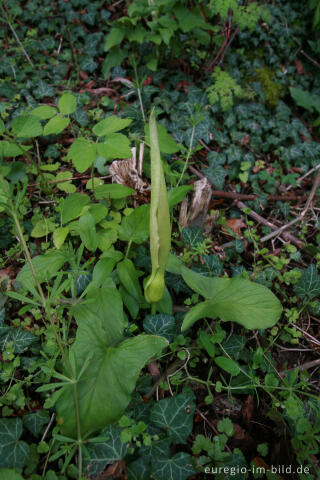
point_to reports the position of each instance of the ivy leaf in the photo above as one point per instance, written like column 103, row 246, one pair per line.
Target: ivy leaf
column 309, row 283
column 82, row 153
column 161, row 324
column 106, row 452
column 179, row 467
column 26, row 126
column 21, row 339
column 234, row 154
column 43, row 90
column 34, row 422
column 139, row 469
column 175, row 416
column 234, row 345
column 216, row 175
column 192, row 236
column 13, row 452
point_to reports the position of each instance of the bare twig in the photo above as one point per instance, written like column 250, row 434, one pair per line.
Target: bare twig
column 258, row 218
column 48, row 427
column 300, row 217
column 305, row 366
column 243, row 196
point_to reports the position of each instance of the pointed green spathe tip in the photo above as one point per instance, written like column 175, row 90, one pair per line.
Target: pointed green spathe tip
column 160, row 228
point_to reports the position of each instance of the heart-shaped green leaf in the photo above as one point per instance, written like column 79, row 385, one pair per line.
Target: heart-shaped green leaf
column 105, row 387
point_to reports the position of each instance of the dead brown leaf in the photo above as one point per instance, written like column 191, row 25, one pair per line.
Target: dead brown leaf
column 248, row 409
column 235, row 224
column 299, row 67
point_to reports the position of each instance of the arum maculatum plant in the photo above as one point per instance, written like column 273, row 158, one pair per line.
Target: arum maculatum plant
column 232, row 299
column 160, row 228
column 236, row 299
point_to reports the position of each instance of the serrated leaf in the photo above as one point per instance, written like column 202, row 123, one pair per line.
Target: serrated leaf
column 26, row 126
column 113, row 191
column 166, row 143
column 161, row 324
column 175, row 416
column 67, row 104
column 82, row 153
column 43, row 228
column 177, row 194
column 87, row 231
column 116, row 145
column 56, row 125
column 35, row 422
column 44, row 112
column 72, row 206
column 8, row 149
column 309, row 283
column 13, row 452
column 59, row 236
column 45, row 266
column 115, row 37
column 179, row 467
column 135, row 227
column 110, row 125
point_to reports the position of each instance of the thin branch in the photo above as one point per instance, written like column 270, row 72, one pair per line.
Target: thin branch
column 300, row 217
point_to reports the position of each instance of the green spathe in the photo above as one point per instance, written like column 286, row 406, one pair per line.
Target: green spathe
column 160, row 228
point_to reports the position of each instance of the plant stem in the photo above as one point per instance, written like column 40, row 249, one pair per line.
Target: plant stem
column 7, row 19
column 46, row 308
column 138, row 89
column 128, row 248
column 188, row 156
